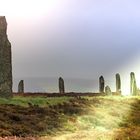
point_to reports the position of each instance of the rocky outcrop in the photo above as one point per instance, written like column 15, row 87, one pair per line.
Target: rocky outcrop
column 21, row 87
column 5, row 61
column 61, row 85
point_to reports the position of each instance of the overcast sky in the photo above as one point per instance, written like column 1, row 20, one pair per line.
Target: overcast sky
column 74, row 38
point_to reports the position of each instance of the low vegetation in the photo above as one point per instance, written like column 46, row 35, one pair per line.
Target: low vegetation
column 71, row 118
column 39, row 101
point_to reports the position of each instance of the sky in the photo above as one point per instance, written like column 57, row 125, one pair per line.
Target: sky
column 79, row 39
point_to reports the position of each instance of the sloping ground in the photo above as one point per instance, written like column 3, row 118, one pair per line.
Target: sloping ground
column 108, row 118
column 92, row 118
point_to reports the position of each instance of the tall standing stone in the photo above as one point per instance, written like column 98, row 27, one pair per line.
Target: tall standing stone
column 21, row 87
column 5, row 61
column 118, row 83
column 133, row 85
column 61, row 85
column 101, row 84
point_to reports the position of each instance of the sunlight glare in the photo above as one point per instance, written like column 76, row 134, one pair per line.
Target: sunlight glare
column 133, row 66
column 26, row 7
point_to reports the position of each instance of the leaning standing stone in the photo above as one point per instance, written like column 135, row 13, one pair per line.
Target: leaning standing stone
column 61, row 85
column 21, row 87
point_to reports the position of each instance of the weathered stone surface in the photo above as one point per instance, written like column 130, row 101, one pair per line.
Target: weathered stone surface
column 61, row 85
column 101, row 84
column 108, row 90
column 21, row 87
column 133, row 85
column 5, row 61
column 118, row 83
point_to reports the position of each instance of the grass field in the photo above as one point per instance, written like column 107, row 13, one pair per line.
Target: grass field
column 71, row 118
column 40, row 101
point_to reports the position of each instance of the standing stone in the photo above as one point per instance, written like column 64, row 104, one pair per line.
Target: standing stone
column 101, row 84
column 5, row 61
column 108, row 90
column 61, row 85
column 118, row 83
column 21, row 87
column 133, row 85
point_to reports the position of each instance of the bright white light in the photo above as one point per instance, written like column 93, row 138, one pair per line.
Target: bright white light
column 132, row 66
column 26, row 7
